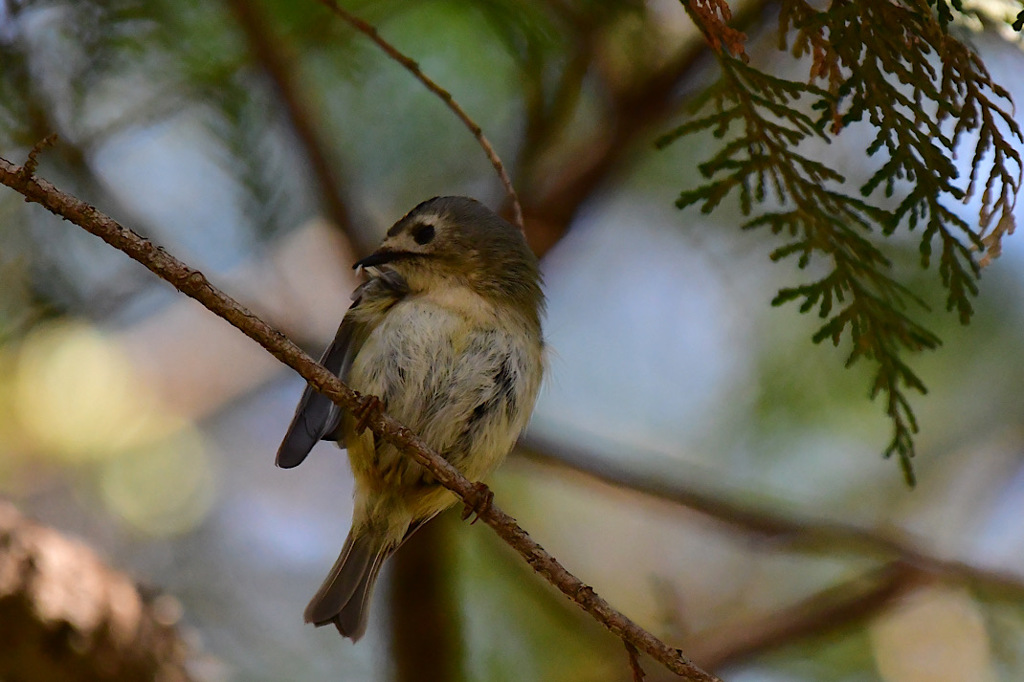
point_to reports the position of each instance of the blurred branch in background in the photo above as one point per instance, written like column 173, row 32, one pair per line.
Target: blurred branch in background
column 272, row 52
column 634, row 104
column 904, row 569
column 886, row 593
column 65, row 616
column 784, row 532
column 426, row 618
column 820, row 615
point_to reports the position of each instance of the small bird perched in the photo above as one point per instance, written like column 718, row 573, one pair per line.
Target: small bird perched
column 446, row 334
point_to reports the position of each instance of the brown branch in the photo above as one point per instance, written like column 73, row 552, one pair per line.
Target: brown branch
column 425, row 619
column 829, row 610
column 544, row 121
column 634, row 663
column 29, row 169
column 712, row 17
column 412, row 67
column 281, row 68
column 194, row 284
column 632, row 112
column 791, row 531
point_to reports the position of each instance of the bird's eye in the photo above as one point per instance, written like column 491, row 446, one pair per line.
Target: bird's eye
column 423, row 234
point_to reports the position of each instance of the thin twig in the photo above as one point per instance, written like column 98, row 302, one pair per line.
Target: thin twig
column 634, row 663
column 194, row 284
column 29, row 169
column 412, row 67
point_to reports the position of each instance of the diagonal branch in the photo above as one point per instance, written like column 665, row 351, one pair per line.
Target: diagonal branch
column 634, row 663
column 791, row 531
column 279, row 65
column 194, row 284
column 631, row 114
column 842, row 606
column 826, row 611
column 905, row 564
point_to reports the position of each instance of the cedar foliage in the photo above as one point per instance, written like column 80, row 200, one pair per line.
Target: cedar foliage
column 899, row 66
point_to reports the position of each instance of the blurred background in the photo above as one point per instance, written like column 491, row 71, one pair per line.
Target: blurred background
column 693, row 456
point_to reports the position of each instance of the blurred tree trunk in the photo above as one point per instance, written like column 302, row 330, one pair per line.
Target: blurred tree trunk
column 65, row 616
column 426, row 634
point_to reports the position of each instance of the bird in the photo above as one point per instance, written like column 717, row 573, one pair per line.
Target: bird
column 445, row 334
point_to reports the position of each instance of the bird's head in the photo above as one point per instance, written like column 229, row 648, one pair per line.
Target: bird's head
column 453, row 241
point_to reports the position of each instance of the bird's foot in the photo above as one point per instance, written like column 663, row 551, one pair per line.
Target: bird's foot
column 481, row 504
column 370, row 407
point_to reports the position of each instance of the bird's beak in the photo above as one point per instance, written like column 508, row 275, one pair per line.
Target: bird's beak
column 380, row 257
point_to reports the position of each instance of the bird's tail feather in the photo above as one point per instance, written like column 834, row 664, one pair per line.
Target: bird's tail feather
column 344, row 597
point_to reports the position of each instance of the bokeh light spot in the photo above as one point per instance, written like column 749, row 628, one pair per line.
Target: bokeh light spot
column 165, row 489
column 935, row 635
column 77, row 398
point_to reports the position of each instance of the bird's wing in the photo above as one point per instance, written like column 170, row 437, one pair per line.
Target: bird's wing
column 316, row 417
